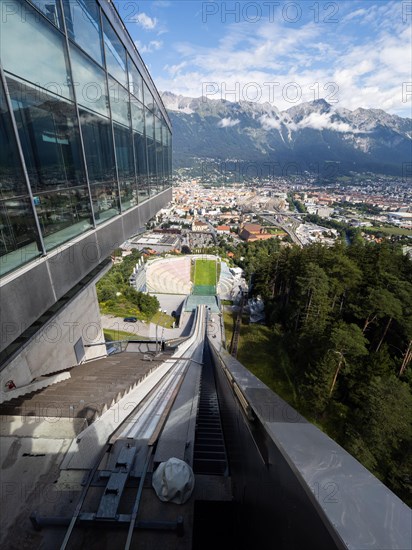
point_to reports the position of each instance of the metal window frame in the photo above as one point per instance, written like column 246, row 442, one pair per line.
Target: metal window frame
column 109, row 103
column 83, row 154
column 40, row 241
column 109, row 9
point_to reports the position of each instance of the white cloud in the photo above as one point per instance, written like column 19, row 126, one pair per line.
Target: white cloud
column 314, row 120
column 145, row 20
column 363, row 67
column 174, row 70
column 269, row 123
column 152, row 46
column 355, row 14
column 323, row 121
column 228, row 122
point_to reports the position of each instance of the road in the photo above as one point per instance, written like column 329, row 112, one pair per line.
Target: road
column 289, row 230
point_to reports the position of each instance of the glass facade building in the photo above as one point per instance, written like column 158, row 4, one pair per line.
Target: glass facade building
column 84, row 135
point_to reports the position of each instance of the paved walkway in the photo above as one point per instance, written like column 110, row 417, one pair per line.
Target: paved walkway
column 146, row 330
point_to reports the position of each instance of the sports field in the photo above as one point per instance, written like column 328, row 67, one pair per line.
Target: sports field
column 204, row 277
column 205, row 272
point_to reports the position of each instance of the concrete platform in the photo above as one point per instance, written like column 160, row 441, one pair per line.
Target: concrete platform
column 29, row 471
column 36, row 432
column 210, row 301
column 49, row 428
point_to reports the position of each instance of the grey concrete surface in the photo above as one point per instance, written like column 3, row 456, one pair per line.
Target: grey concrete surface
column 29, row 468
column 170, row 302
column 52, row 348
column 35, row 427
column 146, row 330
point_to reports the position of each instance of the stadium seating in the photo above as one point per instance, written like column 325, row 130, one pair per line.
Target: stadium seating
column 226, row 282
column 169, row 276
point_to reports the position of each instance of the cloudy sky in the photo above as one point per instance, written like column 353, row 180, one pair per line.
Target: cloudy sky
column 353, row 53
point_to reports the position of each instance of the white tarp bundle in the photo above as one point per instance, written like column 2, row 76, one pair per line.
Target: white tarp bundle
column 173, row 481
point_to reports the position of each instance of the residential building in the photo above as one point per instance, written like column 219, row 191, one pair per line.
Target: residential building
column 199, row 226
column 254, row 232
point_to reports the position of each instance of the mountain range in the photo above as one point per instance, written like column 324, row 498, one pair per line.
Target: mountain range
column 314, row 136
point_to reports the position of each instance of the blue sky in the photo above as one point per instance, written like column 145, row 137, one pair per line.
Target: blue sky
column 352, row 53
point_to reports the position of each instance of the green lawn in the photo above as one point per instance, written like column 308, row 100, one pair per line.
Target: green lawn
column 275, row 231
column 162, row 319
column 261, row 351
column 389, row 230
column 115, row 335
column 205, row 272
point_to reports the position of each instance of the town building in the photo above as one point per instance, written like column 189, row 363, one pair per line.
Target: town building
column 254, row 232
column 199, row 226
column 157, row 242
column 223, row 229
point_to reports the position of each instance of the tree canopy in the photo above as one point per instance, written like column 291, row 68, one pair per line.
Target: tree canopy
column 115, row 292
column 345, row 318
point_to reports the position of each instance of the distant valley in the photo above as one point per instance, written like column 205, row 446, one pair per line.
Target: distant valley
column 315, row 137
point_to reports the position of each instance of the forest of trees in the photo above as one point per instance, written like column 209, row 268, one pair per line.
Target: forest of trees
column 344, row 317
column 129, row 301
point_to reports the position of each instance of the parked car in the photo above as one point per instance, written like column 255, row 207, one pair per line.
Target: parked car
column 130, row 320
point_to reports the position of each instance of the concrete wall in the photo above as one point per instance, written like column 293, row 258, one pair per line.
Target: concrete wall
column 29, row 292
column 52, row 348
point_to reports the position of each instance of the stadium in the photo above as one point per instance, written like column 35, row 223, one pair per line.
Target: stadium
column 187, row 281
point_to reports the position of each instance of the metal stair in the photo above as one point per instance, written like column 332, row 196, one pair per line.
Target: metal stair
column 209, row 449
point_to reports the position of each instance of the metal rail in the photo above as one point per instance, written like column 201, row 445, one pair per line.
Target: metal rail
column 236, row 330
column 137, row 501
column 135, row 439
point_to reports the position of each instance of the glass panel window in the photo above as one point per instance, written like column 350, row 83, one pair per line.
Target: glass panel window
column 90, row 82
column 156, row 109
column 159, row 156
column 158, row 129
column 149, row 125
column 105, row 198
column 139, row 142
column 51, row 9
column 33, row 49
column 119, row 102
column 125, row 166
column 19, row 240
column 98, row 148
column 12, row 182
column 115, row 53
column 151, row 150
column 83, row 26
column 49, row 136
column 148, row 98
column 165, row 153
column 135, row 80
column 63, row 214
column 170, row 148
column 137, row 112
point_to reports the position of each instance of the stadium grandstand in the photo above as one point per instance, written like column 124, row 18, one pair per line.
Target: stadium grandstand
column 169, row 276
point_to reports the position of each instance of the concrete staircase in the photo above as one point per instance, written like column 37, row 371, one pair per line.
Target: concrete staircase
column 38, row 384
column 92, row 388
